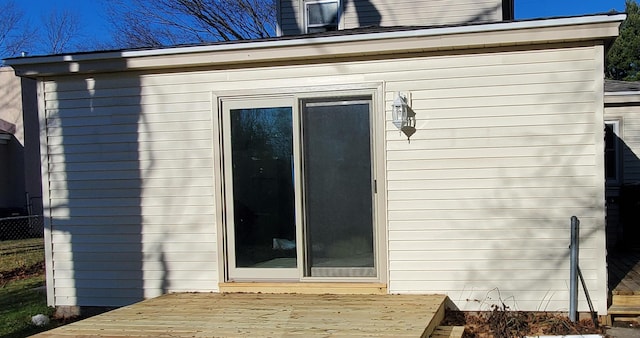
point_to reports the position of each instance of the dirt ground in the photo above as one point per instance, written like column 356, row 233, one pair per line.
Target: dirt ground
column 21, row 273
column 504, row 323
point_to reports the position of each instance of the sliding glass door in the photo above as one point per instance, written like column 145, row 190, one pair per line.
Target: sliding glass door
column 261, row 229
column 299, row 188
column 338, row 192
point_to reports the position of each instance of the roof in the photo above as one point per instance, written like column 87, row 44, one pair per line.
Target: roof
column 621, row 93
column 7, row 127
column 343, row 44
column 621, row 86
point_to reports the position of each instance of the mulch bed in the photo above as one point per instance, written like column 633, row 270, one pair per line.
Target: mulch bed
column 504, row 323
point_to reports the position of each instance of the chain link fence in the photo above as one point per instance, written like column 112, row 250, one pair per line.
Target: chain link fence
column 21, row 227
column 21, row 248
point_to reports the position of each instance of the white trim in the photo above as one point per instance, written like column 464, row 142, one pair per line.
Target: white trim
column 309, row 41
column 600, row 238
column 305, row 5
column 225, row 99
column 235, row 273
column 278, row 18
column 46, row 200
column 621, row 93
column 218, row 188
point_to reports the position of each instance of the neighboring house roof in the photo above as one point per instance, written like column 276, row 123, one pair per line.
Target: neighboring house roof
column 621, row 93
column 344, row 44
column 7, row 127
column 6, row 130
column 621, row 86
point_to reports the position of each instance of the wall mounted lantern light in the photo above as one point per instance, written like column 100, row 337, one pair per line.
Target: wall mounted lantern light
column 403, row 116
column 400, row 111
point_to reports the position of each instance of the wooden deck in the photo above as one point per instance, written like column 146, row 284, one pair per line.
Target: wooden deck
column 624, row 283
column 265, row 315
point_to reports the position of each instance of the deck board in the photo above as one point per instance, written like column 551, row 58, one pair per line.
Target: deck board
column 624, row 283
column 624, row 273
column 265, row 315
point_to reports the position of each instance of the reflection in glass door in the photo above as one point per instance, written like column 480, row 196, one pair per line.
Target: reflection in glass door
column 262, row 228
column 299, row 183
column 338, row 188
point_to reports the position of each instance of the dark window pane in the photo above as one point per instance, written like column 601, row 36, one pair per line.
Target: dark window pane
column 610, row 153
column 323, row 13
column 263, row 191
column 609, row 137
column 338, row 189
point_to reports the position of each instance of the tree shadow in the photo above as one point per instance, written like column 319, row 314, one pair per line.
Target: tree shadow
column 93, row 185
column 622, row 188
column 32, row 172
column 524, row 184
column 368, row 14
column 618, row 240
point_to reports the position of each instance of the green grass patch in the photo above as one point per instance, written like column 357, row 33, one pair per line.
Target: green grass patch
column 21, row 295
column 21, row 254
column 19, row 301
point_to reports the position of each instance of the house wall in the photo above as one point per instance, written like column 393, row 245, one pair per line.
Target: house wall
column 12, row 179
column 508, row 147
column 626, row 110
column 129, row 187
column 362, row 13
column 32, row 162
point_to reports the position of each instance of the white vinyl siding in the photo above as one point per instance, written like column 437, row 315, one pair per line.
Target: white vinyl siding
column 361, row 13
column 631, row 164
column 130, row 177
column 508, row 147
column 290, row 17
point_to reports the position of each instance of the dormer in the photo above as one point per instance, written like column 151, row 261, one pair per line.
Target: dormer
column 313, row 16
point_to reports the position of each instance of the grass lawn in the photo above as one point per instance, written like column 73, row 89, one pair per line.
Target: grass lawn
column 21, row 274
column 19, row 301
column 20, row 254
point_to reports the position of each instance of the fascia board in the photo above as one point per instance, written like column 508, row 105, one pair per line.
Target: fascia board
column 384, row 43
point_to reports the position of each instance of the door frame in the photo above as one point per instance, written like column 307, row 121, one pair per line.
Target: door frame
column 240, row 273
column 296, row 94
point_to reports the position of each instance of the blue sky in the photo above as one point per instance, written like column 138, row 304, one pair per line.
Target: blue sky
column 94, row 23
column 526, row 9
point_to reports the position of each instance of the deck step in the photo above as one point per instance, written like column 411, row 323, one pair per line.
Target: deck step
column 625, row 300
column 448, row 332
column 624, row 310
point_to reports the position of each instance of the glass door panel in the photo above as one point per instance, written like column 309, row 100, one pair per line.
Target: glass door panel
column 338, row 188
column 261, row 225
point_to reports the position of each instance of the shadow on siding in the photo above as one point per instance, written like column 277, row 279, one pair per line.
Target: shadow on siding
column 623, row 203
column 527, row 262
column 368, row 14
column 95, row 190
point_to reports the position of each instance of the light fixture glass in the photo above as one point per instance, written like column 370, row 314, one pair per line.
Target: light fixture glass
column 400, row 112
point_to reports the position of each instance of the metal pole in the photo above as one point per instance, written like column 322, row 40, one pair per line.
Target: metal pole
column 573, row 276
column 29, row 205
